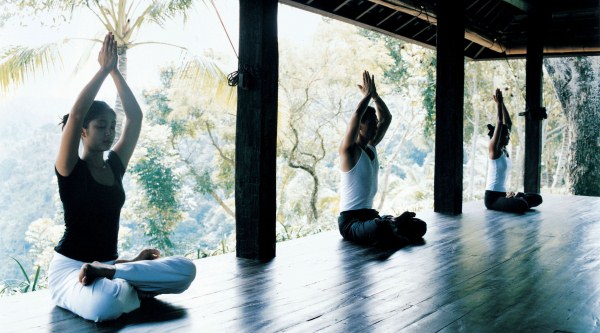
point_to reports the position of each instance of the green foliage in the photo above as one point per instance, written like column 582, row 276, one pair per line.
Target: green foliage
column 204, row 183
column 158, row 101
column 160, row 209
column 409, row 65
column 199, row 154
column 29, row 284
column 397, row 73
column 198, row 123
column 429, row 99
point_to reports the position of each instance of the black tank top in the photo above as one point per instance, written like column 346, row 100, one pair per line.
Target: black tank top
column 91, row 212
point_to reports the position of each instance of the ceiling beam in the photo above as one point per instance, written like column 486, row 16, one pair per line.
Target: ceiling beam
column 296, row 4
column 564, row 50
column 425, row 15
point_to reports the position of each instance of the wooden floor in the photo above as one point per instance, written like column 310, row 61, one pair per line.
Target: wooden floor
column 482, row 271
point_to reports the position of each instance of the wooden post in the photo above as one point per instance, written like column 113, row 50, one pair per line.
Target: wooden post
column 256, row 130
column 448, row 182
column 533, row 92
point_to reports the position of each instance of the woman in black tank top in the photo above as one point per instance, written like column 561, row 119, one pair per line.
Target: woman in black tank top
column 92, row 194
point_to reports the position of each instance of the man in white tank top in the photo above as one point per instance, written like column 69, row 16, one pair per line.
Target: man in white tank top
column 359, row 166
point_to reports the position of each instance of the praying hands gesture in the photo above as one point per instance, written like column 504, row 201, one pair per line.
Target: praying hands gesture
column 108, row 58
column 368, row 87
column 498, row 96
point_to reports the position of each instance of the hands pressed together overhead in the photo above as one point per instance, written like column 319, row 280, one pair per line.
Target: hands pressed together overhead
column 368, row 86
column 498, row 96
column 108, row 57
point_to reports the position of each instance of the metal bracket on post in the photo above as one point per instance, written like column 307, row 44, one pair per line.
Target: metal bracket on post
column 538, row 115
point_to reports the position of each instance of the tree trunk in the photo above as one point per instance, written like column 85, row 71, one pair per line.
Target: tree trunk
column 575, row 81
column 313, row 213
column 222, row 204
column 560, row 165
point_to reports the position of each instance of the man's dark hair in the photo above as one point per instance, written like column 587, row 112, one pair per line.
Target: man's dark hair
column 370, row 112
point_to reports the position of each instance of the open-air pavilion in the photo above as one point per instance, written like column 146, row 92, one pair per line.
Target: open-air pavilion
column 477, row 270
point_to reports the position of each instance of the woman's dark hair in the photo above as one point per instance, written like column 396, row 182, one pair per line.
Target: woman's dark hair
column 94, row 112
column 505, row 130
column 491, row 129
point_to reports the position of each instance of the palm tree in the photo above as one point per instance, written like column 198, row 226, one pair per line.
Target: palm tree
column 124, row 18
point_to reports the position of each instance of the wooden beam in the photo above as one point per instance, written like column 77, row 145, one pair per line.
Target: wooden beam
column 340, row 6
column 256, row 130
column 387, row 17
column 533, row 98
column 432, row 18
column 296, row 4
column 366, row 11
column 416, row 13
column 563, row 50
column 405, row 24
column 448, row 182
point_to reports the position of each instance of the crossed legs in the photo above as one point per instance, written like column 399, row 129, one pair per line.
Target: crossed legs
column 368, row 228
column 106, row 297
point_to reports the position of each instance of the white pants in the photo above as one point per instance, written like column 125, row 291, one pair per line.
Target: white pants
column 107, row 299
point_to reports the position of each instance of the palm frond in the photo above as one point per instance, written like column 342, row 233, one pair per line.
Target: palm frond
column 63, row 4
column 206, row 74
column 67, row 6
column 160, row 11
column 19, row 61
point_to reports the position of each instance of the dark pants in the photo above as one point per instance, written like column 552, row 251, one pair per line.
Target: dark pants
column 520, row 203
column 366, row 227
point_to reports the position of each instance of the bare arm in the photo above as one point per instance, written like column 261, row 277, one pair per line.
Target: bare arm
column 348, row 147
column 494, row 145
column 133, row 119
column 69, row 143
column 384, row 116
column 506, row 117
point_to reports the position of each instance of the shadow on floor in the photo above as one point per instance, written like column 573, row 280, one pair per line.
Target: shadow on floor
column 151, row 311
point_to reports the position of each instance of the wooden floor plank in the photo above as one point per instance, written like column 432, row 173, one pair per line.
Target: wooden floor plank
column 481, row 271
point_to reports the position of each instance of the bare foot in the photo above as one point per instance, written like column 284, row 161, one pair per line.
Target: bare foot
column 89, row 272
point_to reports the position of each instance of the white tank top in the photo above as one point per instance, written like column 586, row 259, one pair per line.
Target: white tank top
column 497, row 174
column 359, row 185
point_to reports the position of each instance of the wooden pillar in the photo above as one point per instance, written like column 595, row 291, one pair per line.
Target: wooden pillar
column 256, row 130
column 533, row 97
column 448, row 182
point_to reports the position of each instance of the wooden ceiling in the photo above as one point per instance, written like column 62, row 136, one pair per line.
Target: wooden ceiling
column 495, row 29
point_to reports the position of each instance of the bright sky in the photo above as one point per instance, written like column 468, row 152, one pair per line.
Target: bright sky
column 55, row 90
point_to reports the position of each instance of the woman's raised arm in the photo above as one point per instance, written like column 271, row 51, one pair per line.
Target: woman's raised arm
column 69, row 144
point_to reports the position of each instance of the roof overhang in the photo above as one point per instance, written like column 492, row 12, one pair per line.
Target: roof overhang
column 494, row 29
